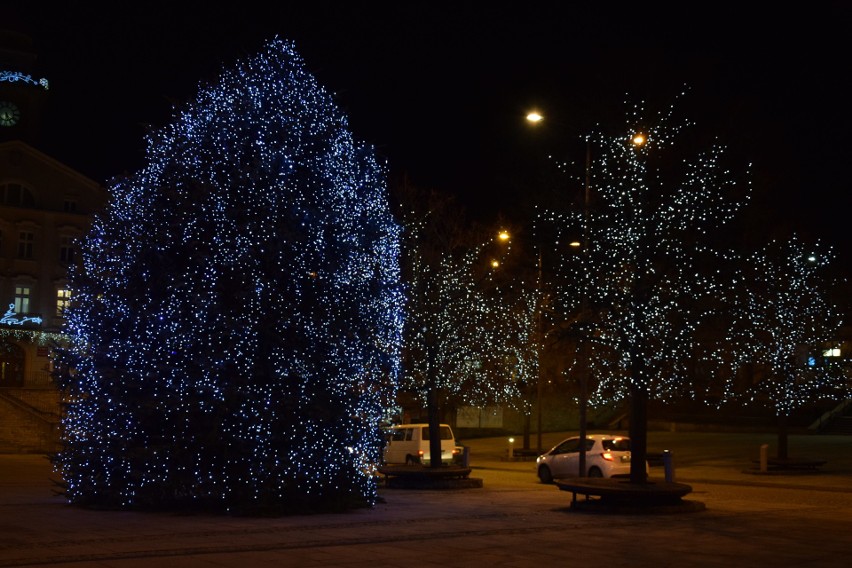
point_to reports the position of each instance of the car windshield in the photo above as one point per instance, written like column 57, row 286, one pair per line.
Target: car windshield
column 617, row 445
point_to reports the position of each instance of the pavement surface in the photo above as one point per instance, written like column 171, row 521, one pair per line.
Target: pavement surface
column 748, row 518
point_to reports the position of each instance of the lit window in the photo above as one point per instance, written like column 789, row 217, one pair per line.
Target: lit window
column 63, row 300
column 833, row 352
column 22, row 299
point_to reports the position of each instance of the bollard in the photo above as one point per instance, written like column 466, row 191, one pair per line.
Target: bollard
column 511, row 450
column 668, row 466
column 763, row 458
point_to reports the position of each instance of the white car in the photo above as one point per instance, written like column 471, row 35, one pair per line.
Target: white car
column 606, row 456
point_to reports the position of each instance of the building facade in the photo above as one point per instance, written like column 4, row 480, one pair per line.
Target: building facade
column 45, row 208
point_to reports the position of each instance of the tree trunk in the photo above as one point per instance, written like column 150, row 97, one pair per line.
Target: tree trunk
column 434, row 426
column 583, row 405
column 638, row 433
column 432, row 410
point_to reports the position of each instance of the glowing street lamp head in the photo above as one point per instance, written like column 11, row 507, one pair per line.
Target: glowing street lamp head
column 638, row 139
column 503, row 236
column 534, row 117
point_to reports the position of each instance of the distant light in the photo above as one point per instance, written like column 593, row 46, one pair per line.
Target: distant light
column 495, row 263
column 811, row 258
column 503, row 235
column 575, row 244
column 534, row 117
column 638, row 139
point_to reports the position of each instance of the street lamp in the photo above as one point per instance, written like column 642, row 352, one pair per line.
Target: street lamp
column 504, row 236
column 535, row 117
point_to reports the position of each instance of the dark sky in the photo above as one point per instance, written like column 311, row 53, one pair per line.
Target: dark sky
column 441, row 88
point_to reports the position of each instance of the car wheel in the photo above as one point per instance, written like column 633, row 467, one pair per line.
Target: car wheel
column 595, row 472
column 411, row 460
column 544, row 474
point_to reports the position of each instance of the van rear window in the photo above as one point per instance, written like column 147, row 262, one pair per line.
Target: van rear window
column 446, row 433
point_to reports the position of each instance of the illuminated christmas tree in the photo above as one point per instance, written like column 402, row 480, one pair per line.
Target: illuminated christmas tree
column 785, row 327
column 641, row 280
column 466, row 338
column 237, row 321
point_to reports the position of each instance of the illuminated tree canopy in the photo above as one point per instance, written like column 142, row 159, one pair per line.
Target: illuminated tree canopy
column 466, row 332
column 783, row 327
column 635, row 290
column 237, row 321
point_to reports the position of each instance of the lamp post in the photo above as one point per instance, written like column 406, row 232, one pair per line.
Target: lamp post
column 504, row 236
column 585, row 317
column 637, row 140
column 539, row 343
column 535, row 117
column 584, row 372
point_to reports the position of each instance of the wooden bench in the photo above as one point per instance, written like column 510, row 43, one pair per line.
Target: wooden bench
column 425, row 477
column 622, row 492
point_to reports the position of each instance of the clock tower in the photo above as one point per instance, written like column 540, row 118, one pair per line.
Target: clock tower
column 21, row 94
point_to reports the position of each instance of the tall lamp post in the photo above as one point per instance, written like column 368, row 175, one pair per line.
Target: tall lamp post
column 638, row 140
column 534, row 118
column 539, row 343
column 584, row 372
column 504, row 236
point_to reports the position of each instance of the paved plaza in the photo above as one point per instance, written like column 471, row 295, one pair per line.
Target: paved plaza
column 750, row 518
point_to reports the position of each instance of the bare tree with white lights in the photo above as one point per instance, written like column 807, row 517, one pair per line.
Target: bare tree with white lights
column 639, row 286
column 785, row 326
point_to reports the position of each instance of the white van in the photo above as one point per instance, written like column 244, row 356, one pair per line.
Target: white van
column 409, row 444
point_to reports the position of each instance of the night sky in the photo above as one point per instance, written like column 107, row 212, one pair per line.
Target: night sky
column 441, row 88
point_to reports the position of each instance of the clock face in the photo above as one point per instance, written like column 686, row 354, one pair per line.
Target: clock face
column 9, row 114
